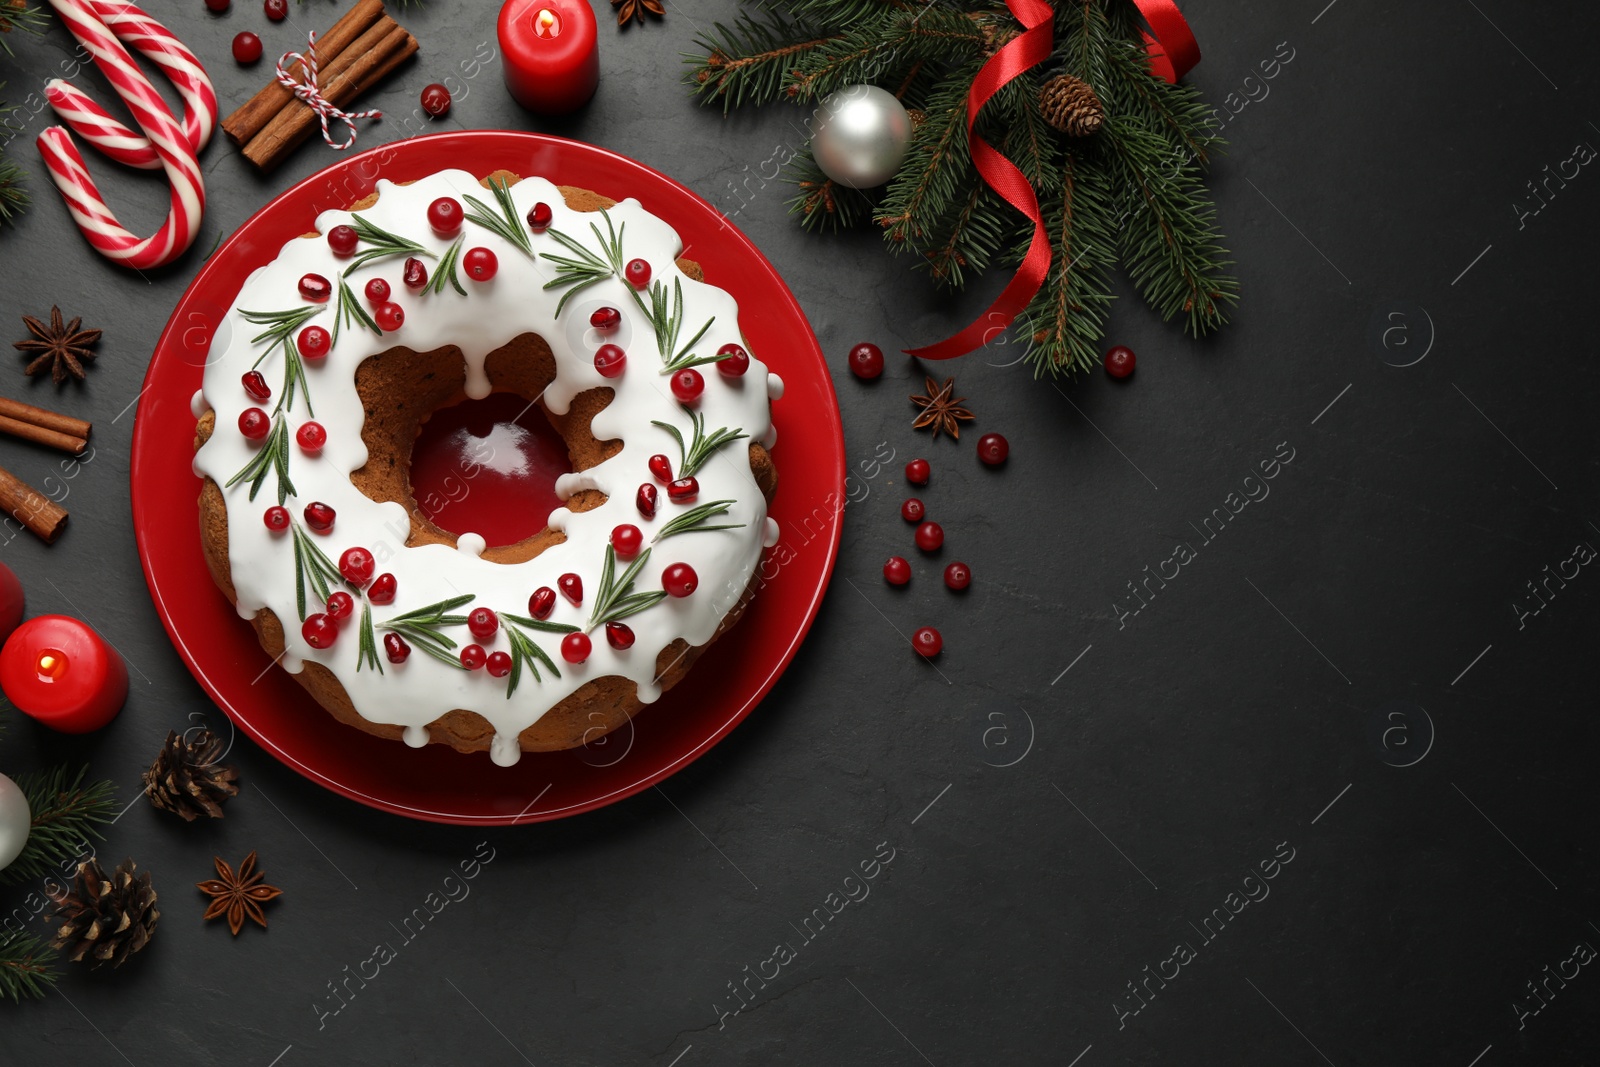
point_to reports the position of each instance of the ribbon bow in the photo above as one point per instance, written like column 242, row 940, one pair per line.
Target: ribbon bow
column 309, row 92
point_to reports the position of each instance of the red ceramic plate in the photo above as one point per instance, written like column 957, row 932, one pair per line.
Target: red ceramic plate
column 437, row 783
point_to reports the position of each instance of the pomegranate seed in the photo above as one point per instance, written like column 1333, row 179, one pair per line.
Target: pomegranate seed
column 341, row 606
column 645, row 500
column 311, row 437
column 343, row 241
column 606, row 318
column 571, row 587
column 276, row 518
column 481, row 264
column 735, row 360
column 1120, row 361
column 609, row 361
column 389, row 316
column 445, row 216
column 254, row 423
column 927, row 642
column 958, row 576
column 638, row 272
column 319, row 516
column 499, row 664
column 626, row 540
column 542, row 602
column 912, row 510
column 679, row 580
column 382, row 589
column 246, row 48
column 619, row 636
column 315, row 342
column 917, row 472
column 930, row 535
column 896, row 571
column 483, row 623
column 575, row 648
column 473, row 657
column 319, row 631
column 866, row 360
column 661, row 467
column 687, row 385
column 415, row 275
column 395, row 647
column 357, row 565
column 539, row 217
column 316, row 288
column 683, row 490
column 377, row 291
column 435, row 99
column 255, row 383
column 993, row 449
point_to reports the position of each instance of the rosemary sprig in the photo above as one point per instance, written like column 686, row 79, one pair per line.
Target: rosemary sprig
column 580, row 273
column 668, row 324
column 281, row 327
column 272, row 456
column 421, row 627
column 350, row 310
column 696, row 520
column 694, row 455
column 446, row 270
column 616, row 599
column 524, row 652
column 368, row 652
column 311, row 565
column 384, row 245
column 508, row 224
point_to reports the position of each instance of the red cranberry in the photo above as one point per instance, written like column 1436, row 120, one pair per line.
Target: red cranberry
column 382, row 589
column 483, row 623
column 445, row 215
column 930, row 535
column 619, row 636
column 866, row 360
column 912, row 510
column 217, row 7
column 927, row 642
column 255, row 383
column 539, row 217
column 679, row 580
column 311, row 437
column 683, row 490
column 357, row 565
column 917, row 472
column 626, row 540
column 319, row 631
column 246, row 48
column 993, row 449
column 575, row 648
column 316, row 288
column 638, row 272
column 896, row 571
column 254, row 423
column 605, row 319
column 343, row 240
column 314, row 342
column 735, row 360
column 958, row 576
column 542, row 602
column 687, row 385
column 389, row 316
column 341, row 606
column 645, row 500
column 277, row 10
column 661, row 467
column 481, row 264
column 415, row 275
column 395, row 647
column 571, row 587
column 609, row 361
column 1120, row 361
column 277, row 518
column 473, row 657
column 499, row 664
column 319, row 516
column 435, row 99
column 377, row 291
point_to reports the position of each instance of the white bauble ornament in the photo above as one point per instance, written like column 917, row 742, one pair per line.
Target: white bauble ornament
column 15, row 820
column 860, row 136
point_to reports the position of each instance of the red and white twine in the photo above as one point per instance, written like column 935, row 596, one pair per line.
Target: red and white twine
column 309, row 92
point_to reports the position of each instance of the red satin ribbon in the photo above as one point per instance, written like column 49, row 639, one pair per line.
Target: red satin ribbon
column 1173, row 52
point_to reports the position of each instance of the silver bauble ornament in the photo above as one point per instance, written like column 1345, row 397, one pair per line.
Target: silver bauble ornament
column 16, row 819
column 860, row 136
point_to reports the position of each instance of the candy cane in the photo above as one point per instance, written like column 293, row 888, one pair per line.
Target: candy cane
column 91, row 22
column 156, row 43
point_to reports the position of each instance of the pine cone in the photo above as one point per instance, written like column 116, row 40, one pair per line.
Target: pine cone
column 107, row 918
column 917, row 117
column 186, row 779
column 1069, row 104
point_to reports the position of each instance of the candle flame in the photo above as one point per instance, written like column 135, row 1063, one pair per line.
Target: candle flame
column 547, row 23
column 52, row 665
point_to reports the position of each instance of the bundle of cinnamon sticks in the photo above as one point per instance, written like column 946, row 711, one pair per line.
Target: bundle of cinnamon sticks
column 20, row 501
column 361, row 49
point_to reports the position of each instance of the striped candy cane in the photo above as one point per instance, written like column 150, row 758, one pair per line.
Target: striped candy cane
column 89, row 21
column 156, row 43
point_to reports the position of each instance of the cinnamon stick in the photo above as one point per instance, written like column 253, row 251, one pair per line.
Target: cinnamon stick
column 41, row 515
column 259, row 110
column 41, row 435
column 50, row 420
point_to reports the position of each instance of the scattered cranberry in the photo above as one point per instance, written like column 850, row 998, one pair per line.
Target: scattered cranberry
column 377, row 291
column 661, row 467
column 277, row 518
column 217, row 7
column 255, row 383
column 645, row 500
column 679, row 580
column 382, row 589
column 343, row 241
column 316, row 287
column 958, row 576
column 445, row 216
column 341, row 605
column 277, row 10
column 542, row 602
column 481, row 264
column 619, row 636
column 315, row 342
column 483, row 623
column 918, row 471
column 395, row 647
column 993, row 449
column 638, row 272
column 626, row 540
column 896, row 571
column 473, row 657
column 930, row 535
column 415, row 275
column 913, row 510
column 357, row 565
column 1120, row 361
column 319, row 631
column 605, row 319
column 609, row 361
column 435, row 100
column 319, row 516
column 575, row 648
column 246, row 48
column 927, row 642
column 866, row 360
column 539, row 217
column 683, row 490
column 571, row 587
column 735, row 360
column 389, row 316
column 311, row 437
column 687, row 385
column 499, row 664
column 254, row 423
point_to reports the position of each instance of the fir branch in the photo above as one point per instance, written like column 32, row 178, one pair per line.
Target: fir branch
column 311, row 565
column 421, row 628
column 27, row 967
column 271, row 457
column 822, row 203
column 281, row 328
column 616, row 599
column 384, row 245
column 525, row 652
column 748, row 62
column 884, row 49
column 66, row 813
column 507, row 224
column 351, row 311
column 701, row 447
column 698, row 520
column 1065, row 321
column 16, row 15
column 445, row 272
column 937, row 169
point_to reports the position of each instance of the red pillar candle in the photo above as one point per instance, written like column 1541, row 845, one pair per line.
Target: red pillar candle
column 59, row 671
column 550, row 50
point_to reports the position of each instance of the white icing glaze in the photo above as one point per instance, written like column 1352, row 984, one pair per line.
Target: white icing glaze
column 774, row 386
column 493, row 313
column 197, row 404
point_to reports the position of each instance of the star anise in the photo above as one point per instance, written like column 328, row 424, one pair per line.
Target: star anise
column 238, row 895
column 635, row 9
column 941, row 408
column 62, row 347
